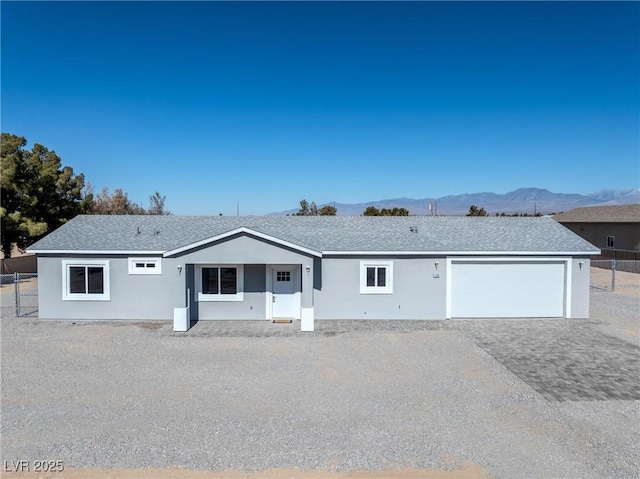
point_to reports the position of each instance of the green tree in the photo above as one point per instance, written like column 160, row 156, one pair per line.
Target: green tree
column 328, row 210
column 311, row 209
column 517, row 214
column 38, row 193
column 157, row 205
column 475, row 211
column 304, row 208
column 371, row 211
column 395, row 211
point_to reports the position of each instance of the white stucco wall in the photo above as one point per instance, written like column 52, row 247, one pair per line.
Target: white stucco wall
column 142, row 297
column 580, row 287
column 416, row 293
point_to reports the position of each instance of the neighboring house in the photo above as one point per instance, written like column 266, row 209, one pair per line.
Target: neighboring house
column 20, row 262
column 607, row 227
column 306, row 268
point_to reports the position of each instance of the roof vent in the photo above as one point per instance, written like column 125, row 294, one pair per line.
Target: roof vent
column 413, row 229
column 156, row 232
column 138, row 231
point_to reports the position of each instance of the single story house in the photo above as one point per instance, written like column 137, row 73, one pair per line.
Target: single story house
column 312, row 268
column 607, row 227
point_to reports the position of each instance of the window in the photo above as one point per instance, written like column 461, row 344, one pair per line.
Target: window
column 219, row 280
column 283, row 276
column 376, row 277
column 86, row 280
column 145, row 266
column 611, row 241
column 220, row 283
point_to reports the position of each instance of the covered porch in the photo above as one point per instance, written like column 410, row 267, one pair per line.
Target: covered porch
column 246, row 275
column 248, row 292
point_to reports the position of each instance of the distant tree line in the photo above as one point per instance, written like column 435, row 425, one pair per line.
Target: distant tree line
column 521, row 214
column 373, row 211
column 476, row 211
column 39, row 194
column 310, row 209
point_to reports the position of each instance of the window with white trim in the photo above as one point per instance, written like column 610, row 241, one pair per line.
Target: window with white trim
column 145, row 266
column 220, row 282
column 611, row 241
column 376, row 277
column 85, row 280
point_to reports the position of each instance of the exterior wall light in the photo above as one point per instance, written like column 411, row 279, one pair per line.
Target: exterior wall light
column 179, row 270
column 436, row 264
column 307, row 269
column 580, row 264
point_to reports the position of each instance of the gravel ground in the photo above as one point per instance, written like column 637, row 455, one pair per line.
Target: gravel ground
column 121, row 395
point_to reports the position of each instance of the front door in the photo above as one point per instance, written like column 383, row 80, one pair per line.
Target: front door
column 284, row 293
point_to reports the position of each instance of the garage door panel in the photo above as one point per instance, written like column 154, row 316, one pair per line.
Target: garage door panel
column 507, row 290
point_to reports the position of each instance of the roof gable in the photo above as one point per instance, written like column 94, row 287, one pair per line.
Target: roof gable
column 243, row 231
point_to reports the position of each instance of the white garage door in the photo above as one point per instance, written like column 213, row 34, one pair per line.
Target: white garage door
column 507, row 290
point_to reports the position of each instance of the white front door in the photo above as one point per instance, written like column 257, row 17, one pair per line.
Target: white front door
column 285, row 302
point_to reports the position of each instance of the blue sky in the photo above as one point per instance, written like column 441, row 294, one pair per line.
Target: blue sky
column 267, row 103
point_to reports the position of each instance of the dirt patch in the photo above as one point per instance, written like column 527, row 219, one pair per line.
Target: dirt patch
column 149, row 325
column 152, row 325
column 467, row 470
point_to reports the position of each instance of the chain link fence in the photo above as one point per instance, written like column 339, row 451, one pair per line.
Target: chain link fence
column 19, row 294
column 616, row 275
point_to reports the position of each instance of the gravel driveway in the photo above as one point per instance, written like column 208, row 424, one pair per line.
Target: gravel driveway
column 511, row 399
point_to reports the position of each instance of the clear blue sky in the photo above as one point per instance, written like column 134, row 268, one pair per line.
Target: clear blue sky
column 268, row 103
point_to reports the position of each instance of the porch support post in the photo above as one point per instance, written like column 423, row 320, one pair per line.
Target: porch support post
column 307, row 315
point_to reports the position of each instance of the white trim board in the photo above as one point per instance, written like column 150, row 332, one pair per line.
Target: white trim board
column 317, row 253
column 90, row 251
column 462, row 253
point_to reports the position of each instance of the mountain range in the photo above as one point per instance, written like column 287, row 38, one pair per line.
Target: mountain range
column 523, row 200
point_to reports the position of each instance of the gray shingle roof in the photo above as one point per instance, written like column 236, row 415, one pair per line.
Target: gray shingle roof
column 320, row 233
column 601, row 214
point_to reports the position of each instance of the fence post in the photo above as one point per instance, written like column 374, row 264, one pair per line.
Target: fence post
column 16, row 287
column 613, row 275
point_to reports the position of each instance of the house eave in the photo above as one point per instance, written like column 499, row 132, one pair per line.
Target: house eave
column 461, row 253
column 320, row 254
column 93, row 252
